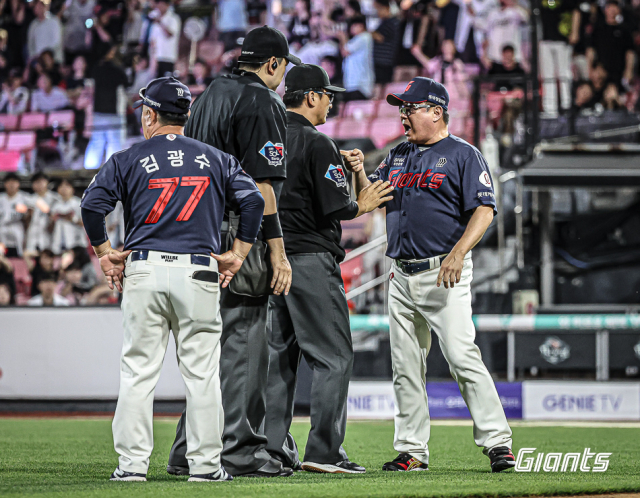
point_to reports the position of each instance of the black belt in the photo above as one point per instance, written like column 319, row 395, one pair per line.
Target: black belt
column 196, row 259
column 412, row 268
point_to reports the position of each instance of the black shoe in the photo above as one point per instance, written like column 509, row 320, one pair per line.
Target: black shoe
column 220, row 476
column 273, row 468
column 177, row 470
column 405, row 463
column 121, row 475
column 501, row 459
column 344, row 467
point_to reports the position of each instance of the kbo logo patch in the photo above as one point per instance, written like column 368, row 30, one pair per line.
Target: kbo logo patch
column 273, row 153
column 336, row 175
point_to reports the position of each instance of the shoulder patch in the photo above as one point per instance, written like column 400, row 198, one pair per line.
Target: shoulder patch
column 273, row 153
column 336, row 175
column 485, row 179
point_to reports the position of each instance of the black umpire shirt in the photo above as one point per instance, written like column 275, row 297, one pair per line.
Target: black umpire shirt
column 241, row 116
column 316, row 195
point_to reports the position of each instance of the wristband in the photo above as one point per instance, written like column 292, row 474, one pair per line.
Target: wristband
column 271, row 228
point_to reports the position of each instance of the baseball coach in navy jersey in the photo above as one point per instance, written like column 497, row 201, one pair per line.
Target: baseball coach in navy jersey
column 313, row 319
column 174, row 191
column 442, row 205
column 242, row 115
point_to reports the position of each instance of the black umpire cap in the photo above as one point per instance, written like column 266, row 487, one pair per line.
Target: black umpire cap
column 419, row 91
column 308, row 77
column 163, row 94
column 262, row 43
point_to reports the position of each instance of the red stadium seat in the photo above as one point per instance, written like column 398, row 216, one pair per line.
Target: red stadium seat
column 21, row 275
column 384, row 130
column 353, row 128
column 330, row 127
column 3, row 140
column 62, row 120
column 21, row 140
column 360, row 109
column 33, row 121
column 9, row 160
column 9, row 122
column 387, row 111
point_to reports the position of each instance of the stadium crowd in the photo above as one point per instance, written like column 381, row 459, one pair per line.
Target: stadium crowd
column 91, row 58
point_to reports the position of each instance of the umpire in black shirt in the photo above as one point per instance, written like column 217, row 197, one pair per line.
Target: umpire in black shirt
column 242, row 115
column 313, row 319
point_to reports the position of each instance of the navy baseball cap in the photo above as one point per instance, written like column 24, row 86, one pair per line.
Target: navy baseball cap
column 262, row 43
column 421, row 90
column 162, row 94
column 308, row 77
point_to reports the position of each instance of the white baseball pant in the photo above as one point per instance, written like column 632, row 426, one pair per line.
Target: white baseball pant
column 161, row 295
column 417, row 306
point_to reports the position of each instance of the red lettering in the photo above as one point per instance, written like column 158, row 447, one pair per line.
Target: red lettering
column 425, row 179
column 394, row 176
column 416, row 177
column 437, row 180
column 404, row 180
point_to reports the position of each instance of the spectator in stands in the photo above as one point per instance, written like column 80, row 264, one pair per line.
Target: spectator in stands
column 15, row 96
column 164, row 38
column 6, row 298
column 560, row 27
column 66, row 220
column 77, row 16
column 7, row 280
column 386, row 41
column 584, row 99
column 200, row 76
column 108, row 124
column 319, row 46
column 507, row 67
column 39, row 264
column 40, row 203
column 299, row 28
column 5, row 58
column 448, row 15
column 88, row 276
column 13, row 209
column 101, row 39
column 48, row 295
column 504, row 27
column 17, row 18
column 413, row 30
column 133, row 25
column 358, row 72
column 598, row 76
column 611, row 100
column 48, row 97
column 471, row 28
column 45, row 32
column 45, row 64
column 68, row 285
column 612, row 45
column 232, row 22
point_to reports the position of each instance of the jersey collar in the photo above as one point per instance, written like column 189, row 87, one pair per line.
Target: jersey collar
column 248, row 74
column 294, row 117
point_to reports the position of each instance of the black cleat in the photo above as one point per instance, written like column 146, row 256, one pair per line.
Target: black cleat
column 273, row 468
column 121, row 475
column 344, row 467
column 501, row 459
column 405, row 463
column 177, row 470
column 220, row 475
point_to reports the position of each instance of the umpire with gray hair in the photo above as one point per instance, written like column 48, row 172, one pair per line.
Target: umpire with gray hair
column 313, row 319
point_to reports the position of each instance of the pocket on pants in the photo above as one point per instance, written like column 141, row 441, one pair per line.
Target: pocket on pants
column 205, row 302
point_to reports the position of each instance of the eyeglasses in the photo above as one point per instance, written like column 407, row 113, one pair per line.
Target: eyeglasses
column 324, row 92
column 407, row 110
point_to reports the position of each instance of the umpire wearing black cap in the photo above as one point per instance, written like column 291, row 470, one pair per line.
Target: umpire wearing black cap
column 242, row 115
column 313, row 319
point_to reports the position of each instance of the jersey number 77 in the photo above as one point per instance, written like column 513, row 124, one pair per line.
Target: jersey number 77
column 168, row 186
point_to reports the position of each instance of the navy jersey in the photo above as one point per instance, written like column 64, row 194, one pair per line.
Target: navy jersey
column 436, row 187
column 173, row 190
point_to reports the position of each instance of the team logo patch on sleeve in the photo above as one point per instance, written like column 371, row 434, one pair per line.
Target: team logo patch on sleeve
column 336, row 175
column 485, row 179
column 273, row 153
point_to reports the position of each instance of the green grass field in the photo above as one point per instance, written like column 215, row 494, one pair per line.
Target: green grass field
column 74, row 457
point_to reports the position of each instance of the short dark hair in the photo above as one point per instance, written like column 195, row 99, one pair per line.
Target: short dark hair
column 508, row 46
column 358, row 20
column 11, row 176
column 383, row 3
column 174, row 118
column 39, row 176
column 293, row 100
column 445, row 116
column 49, row 275
column 255, row 66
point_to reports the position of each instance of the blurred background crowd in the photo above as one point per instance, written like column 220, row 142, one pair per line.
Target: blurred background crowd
column 70, row 70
